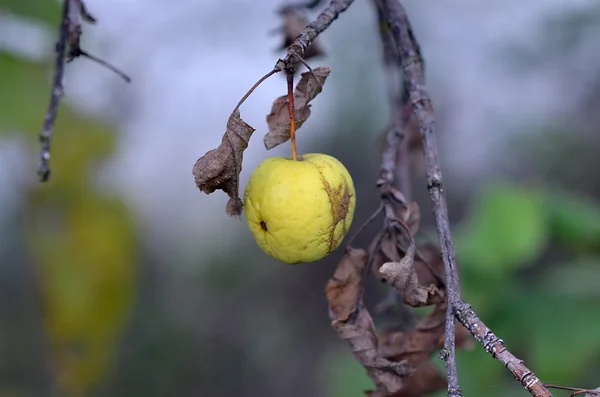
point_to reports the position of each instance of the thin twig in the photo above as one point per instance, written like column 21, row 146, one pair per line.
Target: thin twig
column 317, row 80
column 55, row 95
column 100, row 61
column 495, row 346
column 291, row 111
column 251, row 90
column 362, row 227
column 296, row 50
column 69, row 36
column 394, row 170
column 577, row 390
column 410, row 55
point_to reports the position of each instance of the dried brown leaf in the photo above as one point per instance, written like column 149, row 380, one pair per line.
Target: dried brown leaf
column 220, row 168
column 389, row 247
column 376, row 256
column 354, row 324
column 293, row 24
column 424, row 381
column 360, row 334
column 416, row 347
column 402, row 276
column 278, row 120
column 413, row 217
column 383, row 249
column 345, row 287
column 432, row 254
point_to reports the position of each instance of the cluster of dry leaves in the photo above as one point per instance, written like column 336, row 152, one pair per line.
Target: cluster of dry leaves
column 397, row 361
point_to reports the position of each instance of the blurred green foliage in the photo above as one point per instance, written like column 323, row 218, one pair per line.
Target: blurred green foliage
column 80, row 239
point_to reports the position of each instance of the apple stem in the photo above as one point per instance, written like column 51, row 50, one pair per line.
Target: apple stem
column 290, row 88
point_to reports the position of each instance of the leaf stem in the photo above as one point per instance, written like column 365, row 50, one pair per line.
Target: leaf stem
column 290, row 89
column 266, row 76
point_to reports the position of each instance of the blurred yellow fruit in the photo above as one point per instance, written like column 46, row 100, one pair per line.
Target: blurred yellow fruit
column 300, row 211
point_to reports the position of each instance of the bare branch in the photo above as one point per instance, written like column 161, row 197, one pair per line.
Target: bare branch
column 495, row 346
column 296, row 50
column 577, row 391
column 74, row 13
column 410, row 55
column 55, row 95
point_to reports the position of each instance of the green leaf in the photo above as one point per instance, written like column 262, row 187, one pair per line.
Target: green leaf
column 575, row 221
column 507, row 229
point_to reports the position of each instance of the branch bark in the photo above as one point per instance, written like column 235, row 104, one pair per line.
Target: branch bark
column 295, row 52
column 55, row 95
column 495, row 346
column 74, row 13
column 410, row 55
column 412, row 65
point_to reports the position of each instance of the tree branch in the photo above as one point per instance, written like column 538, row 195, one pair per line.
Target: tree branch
column 495, row 346
column 55, row 95
column 295, row 52
column 412, row 65
column 395, row 167
column 410, row 56
column 73, row 15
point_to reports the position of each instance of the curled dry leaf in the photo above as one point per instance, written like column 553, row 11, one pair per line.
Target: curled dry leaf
column 279, row 121
column 354, row 324
column 345, row 287
column 432, row 254
column 293, row 24
column 220, row 168
column 402, row 276
column 416, row 347
column 360, row 334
